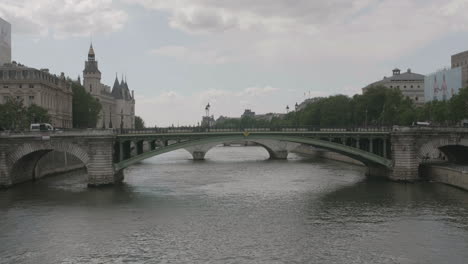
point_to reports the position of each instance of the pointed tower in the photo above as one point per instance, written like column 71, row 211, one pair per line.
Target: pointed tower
column 91, row 74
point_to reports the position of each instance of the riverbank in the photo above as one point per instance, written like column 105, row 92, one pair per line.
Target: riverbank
column 450, row 174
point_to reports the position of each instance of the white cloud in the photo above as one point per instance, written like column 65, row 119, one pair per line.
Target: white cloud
column 333, row 31
column 62, row 18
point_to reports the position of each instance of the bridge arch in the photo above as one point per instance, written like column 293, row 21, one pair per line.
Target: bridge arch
column 276, row 150
column 444, row 148
column 369, row 159
column 23, row 160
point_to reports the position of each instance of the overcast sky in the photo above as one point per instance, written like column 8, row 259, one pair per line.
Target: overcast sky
column 178, row 55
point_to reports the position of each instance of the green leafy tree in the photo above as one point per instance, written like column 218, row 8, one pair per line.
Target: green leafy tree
column 15, row 116
column 37, row 114
column 86, row 108
column 458, row 107
column 139, row 123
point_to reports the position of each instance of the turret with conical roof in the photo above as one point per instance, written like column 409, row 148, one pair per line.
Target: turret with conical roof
column 91, row 73
column 91, row 55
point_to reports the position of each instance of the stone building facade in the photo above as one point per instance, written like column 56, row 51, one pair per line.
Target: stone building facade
column 39, row 87
column 118, row 104
column 409, row 83
column 5, row 42
column 461, row 60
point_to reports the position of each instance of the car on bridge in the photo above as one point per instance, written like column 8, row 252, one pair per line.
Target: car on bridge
column 41, row 127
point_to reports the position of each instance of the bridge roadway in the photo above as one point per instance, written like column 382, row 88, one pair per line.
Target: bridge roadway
column 395, row 154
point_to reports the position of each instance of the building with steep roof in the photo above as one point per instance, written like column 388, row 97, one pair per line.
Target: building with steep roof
column 409, row 83
column 118, row 104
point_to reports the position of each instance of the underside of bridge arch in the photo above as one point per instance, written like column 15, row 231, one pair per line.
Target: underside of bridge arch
column 24, row 169
column 456, row 153
column 275, row 150
column 24, row 161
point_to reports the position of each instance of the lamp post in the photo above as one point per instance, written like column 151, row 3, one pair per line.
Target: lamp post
column 287, row 109
column 296, row 106
column 366, row 118
column 121, row 121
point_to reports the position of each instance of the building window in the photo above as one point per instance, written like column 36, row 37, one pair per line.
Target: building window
column 398, row 87
column 20, row 86
column 416, row 98
column 5, row 86
column 31, row 98
column 391, row 86
column 411, row 86
column 17, row 97
column 404, row 87
column 31, row 86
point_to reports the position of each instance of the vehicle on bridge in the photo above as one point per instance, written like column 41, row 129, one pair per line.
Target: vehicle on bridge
column 41, row 127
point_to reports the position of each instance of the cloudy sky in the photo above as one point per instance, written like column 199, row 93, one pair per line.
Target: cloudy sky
column 178, row 55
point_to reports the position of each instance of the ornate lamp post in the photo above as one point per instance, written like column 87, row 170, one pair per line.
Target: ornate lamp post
column 287, row 109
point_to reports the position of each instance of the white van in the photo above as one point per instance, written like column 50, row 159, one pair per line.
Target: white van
column 41, row 127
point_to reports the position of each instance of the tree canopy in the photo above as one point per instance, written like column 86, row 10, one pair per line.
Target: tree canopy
column 16, row 116
column 378, row 106
column 86, row 108
column 139, row 123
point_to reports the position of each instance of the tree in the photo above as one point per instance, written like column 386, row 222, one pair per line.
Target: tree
column 139, row 123
column 458, row 106
column 17, row 117
column 86, row 108
column 13, row 115
column 37, row 114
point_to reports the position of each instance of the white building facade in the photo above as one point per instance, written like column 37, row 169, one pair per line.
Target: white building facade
column 39, row 87
column 409, row 83
column 118, row 104
column 5, row 42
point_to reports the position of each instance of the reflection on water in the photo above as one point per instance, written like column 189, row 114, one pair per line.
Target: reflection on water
column 235, row 207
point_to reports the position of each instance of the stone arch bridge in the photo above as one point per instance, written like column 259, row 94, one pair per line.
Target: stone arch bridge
column 395, row 154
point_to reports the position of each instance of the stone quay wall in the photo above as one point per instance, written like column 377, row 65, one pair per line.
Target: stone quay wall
column 452, row 175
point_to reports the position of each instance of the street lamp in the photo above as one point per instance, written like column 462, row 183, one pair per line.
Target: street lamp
column 121, row 120
column 296, row 106
column 287, row 109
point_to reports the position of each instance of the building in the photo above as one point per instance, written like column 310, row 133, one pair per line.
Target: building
column 38, row 87
column 409, row 83
column 248, row 113
column 118, row 104
column 461, row 60
column 443, row 84
column 5, row 42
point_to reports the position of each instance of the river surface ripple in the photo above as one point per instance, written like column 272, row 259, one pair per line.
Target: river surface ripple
column 235, row 207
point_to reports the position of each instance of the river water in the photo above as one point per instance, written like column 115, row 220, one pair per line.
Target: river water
column 235, row 207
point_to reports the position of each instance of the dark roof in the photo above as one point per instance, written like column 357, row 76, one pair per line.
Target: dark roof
column 120, row 90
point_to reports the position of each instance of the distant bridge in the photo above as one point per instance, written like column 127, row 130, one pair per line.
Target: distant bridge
column 395, row 154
